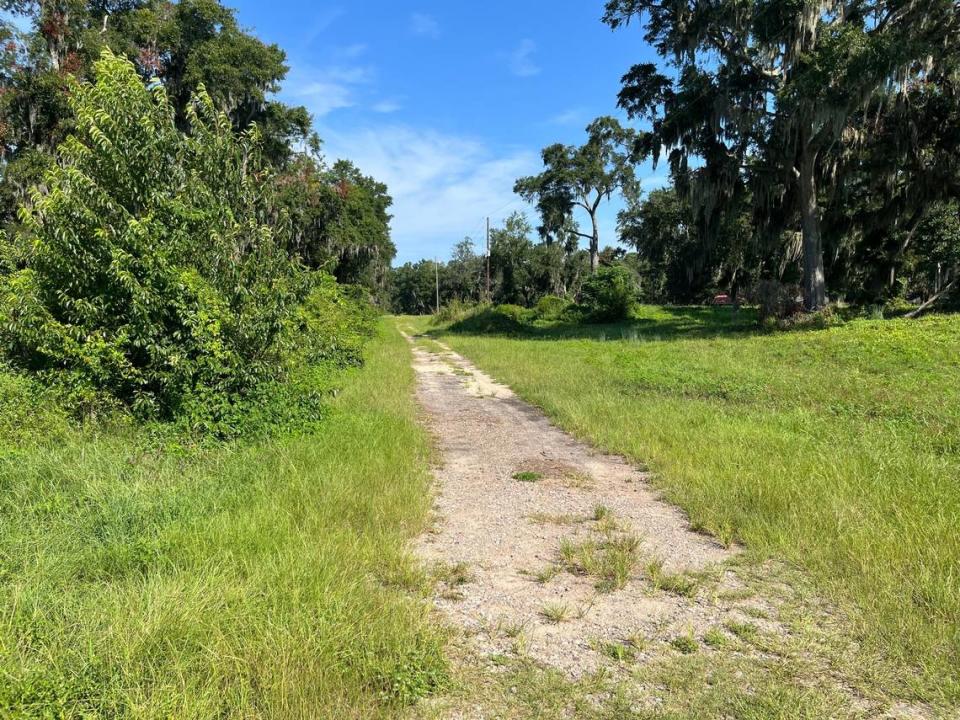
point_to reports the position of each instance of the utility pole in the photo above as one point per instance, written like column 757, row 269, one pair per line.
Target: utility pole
column 436, row 270
column 488, row 259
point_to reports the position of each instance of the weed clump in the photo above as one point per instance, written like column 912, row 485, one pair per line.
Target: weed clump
column 685, row 644
column 555, row 612
column 675, row 583
column 610, row 560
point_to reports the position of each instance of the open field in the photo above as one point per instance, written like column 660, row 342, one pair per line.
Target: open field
column 835, row 449
column 271, row 580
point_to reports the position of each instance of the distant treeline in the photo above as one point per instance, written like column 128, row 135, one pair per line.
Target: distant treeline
column 814, row 157
column 172, row 244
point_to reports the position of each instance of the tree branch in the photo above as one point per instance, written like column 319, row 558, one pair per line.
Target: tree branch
column 933, row 300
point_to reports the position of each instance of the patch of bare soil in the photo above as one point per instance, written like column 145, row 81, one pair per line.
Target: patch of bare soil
column 549, row 550
column 559, row 545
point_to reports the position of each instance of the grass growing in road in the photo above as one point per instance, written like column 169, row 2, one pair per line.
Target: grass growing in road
column 239, row 581
column 837, row 449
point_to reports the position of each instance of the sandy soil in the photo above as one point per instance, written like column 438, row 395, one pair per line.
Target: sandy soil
column 498, row 532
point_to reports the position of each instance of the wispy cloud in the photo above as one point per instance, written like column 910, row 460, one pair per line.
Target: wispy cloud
column 351, row 52
column 442, row 185
column 322, row 98
column 520, row 59
column 574, row 116
column 321, row 23
column 386, row 106
column 328, row 89
column 424, row 25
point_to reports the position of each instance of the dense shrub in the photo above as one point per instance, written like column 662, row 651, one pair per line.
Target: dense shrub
column 609, row 294
column 503, row 319
column 151, row 265
column 551, row 307
column 27, row 413
column 516, row 313
column 453, row 311
column 324, row 335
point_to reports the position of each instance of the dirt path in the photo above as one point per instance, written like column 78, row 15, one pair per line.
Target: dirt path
column 549, row 545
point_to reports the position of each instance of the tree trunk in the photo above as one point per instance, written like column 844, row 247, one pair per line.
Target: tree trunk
column 814, row 282
column 594, row 245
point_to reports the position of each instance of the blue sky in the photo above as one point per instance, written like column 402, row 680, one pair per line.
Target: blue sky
column 449, row 102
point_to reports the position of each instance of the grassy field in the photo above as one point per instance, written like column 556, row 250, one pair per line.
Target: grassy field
column 263, row 580
column 835, row 449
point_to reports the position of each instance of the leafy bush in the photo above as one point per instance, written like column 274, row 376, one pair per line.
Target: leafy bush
column 609, row 294
column 551, row 307
column 27, row 413
column 897, row 307
column 151, row 266
column 503, row 319
column 453, row 311
column 516, row 313
column 325, row 334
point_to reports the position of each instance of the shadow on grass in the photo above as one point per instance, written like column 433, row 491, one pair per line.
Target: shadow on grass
column 648, row 323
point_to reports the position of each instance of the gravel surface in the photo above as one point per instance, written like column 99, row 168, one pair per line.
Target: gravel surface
column 497, row 532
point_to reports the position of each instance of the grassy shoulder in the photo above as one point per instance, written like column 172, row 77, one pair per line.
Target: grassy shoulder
column 263, row 580
column 836, row 449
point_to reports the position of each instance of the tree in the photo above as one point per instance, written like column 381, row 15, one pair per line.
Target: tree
column 677, row 263
column 510, row 261
column 413, row 288
column 340, row 216
column 465, row 273
column 764, row 91
column 183, row 44
column 340, row 220
column 151, row 265
column 582, row 177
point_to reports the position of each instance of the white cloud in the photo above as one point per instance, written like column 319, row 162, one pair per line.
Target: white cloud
column 351, row 52
column 424, row 25
column 442, row 185
column 322, row 22
column 322, row 98
column 386, row 106
column 520, row 60
column 325, row 90
column 573, row 116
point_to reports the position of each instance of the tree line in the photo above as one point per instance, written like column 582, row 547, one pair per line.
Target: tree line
column 813, row 151
column 339, row 216
column 172, row 243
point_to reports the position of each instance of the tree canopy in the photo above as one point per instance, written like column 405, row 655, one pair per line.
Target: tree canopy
column 773, row 98
column 339, row 216
column 582, row 177
column 150, row 264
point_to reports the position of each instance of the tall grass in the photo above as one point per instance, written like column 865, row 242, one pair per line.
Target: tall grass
column 836, row 449
column 242, row 581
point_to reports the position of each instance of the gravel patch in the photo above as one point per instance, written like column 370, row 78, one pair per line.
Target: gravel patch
column 513, row 491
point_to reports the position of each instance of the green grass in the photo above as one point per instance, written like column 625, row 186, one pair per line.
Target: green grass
column 264, row 580
column 685, row 643
column 836, row 449
column 670, row 582
column 609, row 559
column 555, row 612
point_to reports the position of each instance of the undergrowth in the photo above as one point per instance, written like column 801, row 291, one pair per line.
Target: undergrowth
column 146, row 579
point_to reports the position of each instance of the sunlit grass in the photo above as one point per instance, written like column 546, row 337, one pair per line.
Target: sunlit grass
column 263, row 581
column 836, row 449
